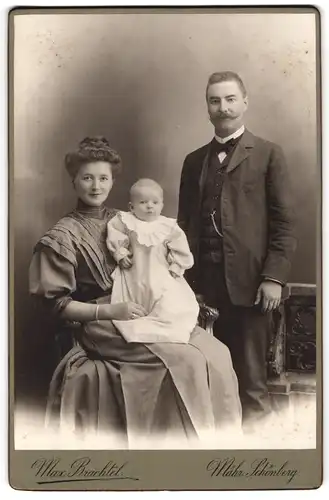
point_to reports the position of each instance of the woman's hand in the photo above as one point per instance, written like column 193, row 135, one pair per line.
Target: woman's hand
column 123, row 311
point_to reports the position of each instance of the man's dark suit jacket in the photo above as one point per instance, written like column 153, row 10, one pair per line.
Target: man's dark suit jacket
column 256, row 212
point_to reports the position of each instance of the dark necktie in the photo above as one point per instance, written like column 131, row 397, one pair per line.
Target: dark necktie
column 223, row 148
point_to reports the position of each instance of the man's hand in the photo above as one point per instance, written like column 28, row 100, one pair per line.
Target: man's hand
column 126, row 262
column 269, row 295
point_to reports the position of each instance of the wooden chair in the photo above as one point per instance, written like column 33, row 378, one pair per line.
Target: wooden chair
column 65, row 340
column 282, row 384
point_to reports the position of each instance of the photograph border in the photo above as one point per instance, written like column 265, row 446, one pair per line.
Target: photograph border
column 151, row 469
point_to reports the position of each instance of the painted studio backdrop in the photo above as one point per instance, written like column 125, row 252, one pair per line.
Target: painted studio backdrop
column 139, row 79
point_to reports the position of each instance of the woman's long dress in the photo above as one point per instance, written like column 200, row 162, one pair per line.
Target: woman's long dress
column 104, row 384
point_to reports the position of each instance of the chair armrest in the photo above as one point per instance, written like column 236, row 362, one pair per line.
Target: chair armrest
column 207, row 317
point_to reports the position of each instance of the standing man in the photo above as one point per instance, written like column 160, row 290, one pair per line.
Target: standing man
column 236, row 209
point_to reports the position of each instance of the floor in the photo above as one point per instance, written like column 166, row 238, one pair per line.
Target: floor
column 291, row 426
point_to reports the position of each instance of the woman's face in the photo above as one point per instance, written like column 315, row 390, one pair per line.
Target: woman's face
column 93, row 182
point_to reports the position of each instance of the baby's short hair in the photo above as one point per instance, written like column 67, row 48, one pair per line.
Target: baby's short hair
column 144, row 183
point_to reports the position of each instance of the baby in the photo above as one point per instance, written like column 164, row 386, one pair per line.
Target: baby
column 152, row 253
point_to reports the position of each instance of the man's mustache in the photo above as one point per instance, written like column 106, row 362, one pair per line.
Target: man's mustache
column 222, row 116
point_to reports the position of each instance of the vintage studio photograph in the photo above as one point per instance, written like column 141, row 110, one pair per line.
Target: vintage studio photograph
column 165, row 172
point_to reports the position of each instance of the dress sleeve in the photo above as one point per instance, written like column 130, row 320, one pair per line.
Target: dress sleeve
column 51, row 279
column 179, row 257
column 117, row 240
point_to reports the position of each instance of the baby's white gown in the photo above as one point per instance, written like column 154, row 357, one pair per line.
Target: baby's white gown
column 156, row 248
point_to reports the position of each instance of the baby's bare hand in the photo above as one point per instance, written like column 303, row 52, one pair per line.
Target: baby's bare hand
column 126, row 262
column 174, row 275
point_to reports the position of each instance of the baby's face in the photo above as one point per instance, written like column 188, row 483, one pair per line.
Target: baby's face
column 147, row 203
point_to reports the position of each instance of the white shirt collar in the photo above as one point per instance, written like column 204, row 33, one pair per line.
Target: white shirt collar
column 235, row 134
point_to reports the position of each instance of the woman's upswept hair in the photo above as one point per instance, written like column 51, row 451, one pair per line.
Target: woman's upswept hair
column 92, row 149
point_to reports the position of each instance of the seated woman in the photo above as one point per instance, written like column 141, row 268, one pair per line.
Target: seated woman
column 104, row 384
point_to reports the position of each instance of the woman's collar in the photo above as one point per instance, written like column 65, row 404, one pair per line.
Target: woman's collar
column 148, row 233
column 85, row 209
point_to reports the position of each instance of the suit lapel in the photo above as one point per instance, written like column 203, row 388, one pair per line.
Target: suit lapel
column 242, row 150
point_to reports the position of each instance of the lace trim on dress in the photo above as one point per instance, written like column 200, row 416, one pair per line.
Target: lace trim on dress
column 148, row 233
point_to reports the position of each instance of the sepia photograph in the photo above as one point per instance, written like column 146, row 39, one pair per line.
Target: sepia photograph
column 165, row 261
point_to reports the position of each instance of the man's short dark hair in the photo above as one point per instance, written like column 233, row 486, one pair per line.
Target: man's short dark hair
column 226, row 76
